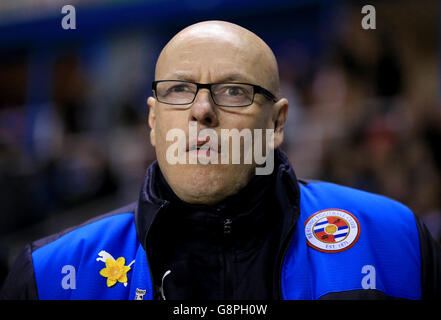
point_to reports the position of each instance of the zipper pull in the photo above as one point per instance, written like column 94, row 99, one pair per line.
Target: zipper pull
column 161, row 289
column 227, row 226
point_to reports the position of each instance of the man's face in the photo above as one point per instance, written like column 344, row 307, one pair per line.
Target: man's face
column 211, row 54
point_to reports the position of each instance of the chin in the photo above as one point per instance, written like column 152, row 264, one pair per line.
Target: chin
column 208, row 184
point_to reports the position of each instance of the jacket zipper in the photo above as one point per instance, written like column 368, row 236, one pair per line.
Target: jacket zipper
column 227, row 273
column 163, row 205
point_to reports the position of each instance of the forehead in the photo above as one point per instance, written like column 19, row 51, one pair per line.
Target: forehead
column 229, row 58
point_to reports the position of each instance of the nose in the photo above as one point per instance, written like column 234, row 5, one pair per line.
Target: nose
column 203, row 109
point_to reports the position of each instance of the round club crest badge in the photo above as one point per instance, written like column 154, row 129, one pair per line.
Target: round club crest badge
column 332, row 230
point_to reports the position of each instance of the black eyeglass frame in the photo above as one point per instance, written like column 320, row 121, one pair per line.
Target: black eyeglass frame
column 256, row 89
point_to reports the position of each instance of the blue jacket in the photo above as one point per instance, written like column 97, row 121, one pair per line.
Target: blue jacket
column 344, row 244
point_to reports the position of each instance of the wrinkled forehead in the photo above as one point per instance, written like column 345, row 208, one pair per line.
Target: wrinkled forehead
column 203, row 55
column 218, row 54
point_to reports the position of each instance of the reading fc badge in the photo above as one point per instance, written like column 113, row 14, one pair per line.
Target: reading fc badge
column 332, row 230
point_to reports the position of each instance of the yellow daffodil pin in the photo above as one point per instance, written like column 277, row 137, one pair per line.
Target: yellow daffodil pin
column 115, row 271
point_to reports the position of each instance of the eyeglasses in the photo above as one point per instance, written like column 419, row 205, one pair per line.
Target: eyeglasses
column 224, row 94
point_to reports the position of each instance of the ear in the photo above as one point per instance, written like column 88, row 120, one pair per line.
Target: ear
column 151, row 103
column 280, row 113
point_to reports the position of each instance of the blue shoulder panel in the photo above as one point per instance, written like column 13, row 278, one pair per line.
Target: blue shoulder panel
column 385, row 257
column 69, row 267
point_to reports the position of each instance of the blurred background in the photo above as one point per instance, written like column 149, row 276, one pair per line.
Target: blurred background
column 364, row 104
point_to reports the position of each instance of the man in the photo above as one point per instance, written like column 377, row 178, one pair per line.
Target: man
column 217, row 229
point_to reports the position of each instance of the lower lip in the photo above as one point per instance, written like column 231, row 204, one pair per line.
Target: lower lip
column 201, row 152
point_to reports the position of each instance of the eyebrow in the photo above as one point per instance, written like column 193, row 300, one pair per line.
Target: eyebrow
column 182, row 76
column 226, row 78
column 235, row 77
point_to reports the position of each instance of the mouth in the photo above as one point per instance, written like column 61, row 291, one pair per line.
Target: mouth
column 202, row 147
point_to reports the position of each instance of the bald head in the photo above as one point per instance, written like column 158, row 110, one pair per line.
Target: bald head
column 252, row 56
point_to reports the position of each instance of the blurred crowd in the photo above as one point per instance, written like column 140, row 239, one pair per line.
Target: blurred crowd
column 367, row 114
column 364, row 113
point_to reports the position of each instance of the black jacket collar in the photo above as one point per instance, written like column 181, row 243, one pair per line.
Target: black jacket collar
column 286, row 190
